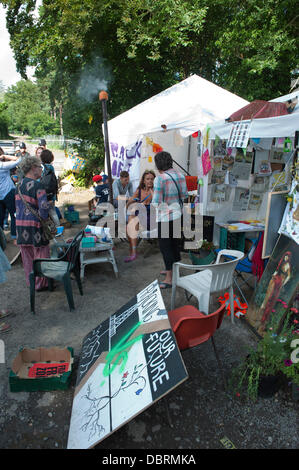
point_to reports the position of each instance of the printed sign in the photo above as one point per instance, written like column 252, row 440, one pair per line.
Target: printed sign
column 239, row 134
column 125, row 159
column 74, row 163
column 127, row 363
column 47, row 370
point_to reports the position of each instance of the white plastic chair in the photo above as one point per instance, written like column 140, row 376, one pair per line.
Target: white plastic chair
column 211, row 278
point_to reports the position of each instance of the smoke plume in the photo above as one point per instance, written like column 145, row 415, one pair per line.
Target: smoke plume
column 94, row 78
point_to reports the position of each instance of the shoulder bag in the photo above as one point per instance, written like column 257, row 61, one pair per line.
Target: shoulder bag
column 48, row 225
column 179, row 194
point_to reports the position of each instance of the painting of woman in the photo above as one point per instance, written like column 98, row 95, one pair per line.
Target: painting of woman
column 277, row 286
column 280, row 277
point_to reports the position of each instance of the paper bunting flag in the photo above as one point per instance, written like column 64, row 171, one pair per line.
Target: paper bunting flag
column 157, row 148
column 178, row 139
column 206, row 162
column 206, row 136
column 149, row 141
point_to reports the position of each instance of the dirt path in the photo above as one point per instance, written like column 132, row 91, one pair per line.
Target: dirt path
column 204, row 416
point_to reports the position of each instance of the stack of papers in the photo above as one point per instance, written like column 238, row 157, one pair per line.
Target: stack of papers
column 241, row 226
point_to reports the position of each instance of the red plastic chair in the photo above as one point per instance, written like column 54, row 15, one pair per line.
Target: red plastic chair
column 191, row 328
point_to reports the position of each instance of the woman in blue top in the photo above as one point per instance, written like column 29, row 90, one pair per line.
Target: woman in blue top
column 7, row 190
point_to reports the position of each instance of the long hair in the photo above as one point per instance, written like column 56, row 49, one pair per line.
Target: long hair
column 146, row 172
column 282, row 261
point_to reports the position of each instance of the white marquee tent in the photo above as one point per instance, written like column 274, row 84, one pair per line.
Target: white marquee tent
column 187, row 106
column 280, row 126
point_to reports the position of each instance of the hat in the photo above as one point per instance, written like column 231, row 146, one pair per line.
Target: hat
column 97, row 178
column 104, row 177
column 22, row 145
column 42, row 143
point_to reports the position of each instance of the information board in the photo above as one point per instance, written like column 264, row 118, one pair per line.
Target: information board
column 127, row 363
column 274, row 214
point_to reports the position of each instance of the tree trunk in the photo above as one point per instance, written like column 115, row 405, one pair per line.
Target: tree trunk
column 60, row 119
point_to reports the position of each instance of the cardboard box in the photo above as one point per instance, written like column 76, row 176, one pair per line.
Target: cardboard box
column 41, row 369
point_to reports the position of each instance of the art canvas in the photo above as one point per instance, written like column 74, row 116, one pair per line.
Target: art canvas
column 277, row 285
column 290, row 222
column 126, row 364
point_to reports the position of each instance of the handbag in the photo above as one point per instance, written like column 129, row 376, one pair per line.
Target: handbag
column 48, row 225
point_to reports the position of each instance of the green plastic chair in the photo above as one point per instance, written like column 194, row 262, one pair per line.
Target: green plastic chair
column 209, row 259
column 59, row 269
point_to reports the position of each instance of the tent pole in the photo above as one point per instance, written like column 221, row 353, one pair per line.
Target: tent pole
column 181, row 167
column 188, row 157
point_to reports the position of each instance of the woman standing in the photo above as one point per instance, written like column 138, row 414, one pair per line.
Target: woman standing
column 30, row 235
column 170, row 190
column 7, row 190
column 142, row 195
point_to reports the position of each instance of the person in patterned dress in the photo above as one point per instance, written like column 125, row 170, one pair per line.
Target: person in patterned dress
column 30, row 236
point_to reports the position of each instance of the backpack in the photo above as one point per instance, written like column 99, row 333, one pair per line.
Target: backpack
column 49, row 181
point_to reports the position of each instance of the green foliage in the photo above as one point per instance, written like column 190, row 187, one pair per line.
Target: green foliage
column 41, row 123
column 137, row 48
column 2, row 91
column 23, row 100
column 3, row 122
column 267, row 359
column 95, row 163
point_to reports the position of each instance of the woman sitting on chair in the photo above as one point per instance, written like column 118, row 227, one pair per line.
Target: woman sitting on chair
column 143, row 195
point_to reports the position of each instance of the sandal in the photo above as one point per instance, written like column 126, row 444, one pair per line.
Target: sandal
column 130, row 258
column 4, row 313
column 4, row 327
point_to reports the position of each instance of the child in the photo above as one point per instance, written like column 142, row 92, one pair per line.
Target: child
column 101, row 189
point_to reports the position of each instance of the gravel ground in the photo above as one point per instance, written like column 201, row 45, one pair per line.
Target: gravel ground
column 203, row 415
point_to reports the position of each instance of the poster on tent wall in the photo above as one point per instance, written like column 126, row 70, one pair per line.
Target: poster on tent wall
column 290, row 221
column 126, row 158
column 126, row 364
column 239, row 135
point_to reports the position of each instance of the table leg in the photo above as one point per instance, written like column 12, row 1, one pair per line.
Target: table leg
column 82, row 266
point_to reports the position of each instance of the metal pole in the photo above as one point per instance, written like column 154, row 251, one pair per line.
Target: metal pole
column 103, row 97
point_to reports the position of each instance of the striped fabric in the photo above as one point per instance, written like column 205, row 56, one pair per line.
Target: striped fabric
column 166, row 198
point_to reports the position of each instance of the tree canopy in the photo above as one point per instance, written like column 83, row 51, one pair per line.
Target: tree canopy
column 27, row 109
column 137, row 48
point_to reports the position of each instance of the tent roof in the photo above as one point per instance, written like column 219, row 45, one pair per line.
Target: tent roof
column 187, row 106
column 259, row 109
column 279, row 126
